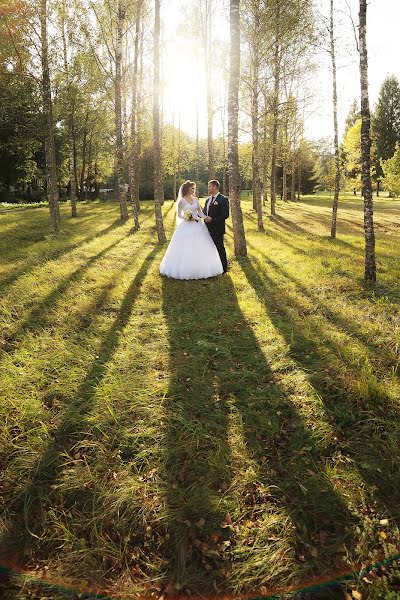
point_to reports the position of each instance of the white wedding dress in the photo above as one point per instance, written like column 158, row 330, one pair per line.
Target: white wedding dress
column 191, row 253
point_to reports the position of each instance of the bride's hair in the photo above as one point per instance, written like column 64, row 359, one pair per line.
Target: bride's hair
column 186, row 187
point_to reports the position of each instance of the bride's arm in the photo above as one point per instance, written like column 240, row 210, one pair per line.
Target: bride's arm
column 199, row 211
column 180, row 209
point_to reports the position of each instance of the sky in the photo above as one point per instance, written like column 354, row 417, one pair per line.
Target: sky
column 383, row 22
column 184, row 80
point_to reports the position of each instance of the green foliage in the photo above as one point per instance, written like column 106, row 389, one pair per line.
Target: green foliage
column 21, row 143
column 309, row 168
column 352, row 149
column 353, row 116
column 391, row 172
column 387, row 119
column 325, row 165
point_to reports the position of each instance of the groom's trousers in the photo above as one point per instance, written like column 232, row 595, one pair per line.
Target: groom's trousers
column 219, row 242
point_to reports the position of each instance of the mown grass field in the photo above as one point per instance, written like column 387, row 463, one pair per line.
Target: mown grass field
column 239, row 435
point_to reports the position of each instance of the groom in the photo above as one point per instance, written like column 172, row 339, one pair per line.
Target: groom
column 216, row 211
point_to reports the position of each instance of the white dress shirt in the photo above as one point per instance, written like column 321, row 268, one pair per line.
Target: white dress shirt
column 209, row 202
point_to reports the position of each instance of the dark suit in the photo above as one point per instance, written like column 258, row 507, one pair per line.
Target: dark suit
column 219, row 212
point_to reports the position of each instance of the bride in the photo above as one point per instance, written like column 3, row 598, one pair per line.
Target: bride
column 191, row 253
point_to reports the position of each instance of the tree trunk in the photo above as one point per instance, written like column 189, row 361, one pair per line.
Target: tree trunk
column 293, row 181
column 89, row 169
column 133, row 183
column 70, row 119
column 84, row 142
column 96, row 182
column 119, row 159
column 210, row 141
column 275, row 112
column 239, row 239
column 224, row 166
column 74, row 148
column 173, row 151
column 284, row 181
column 256, row 183
column 370, row 265
column 139, row 128
column 197, row 151
column 335, row 128
column 51, row 170
column 265, row 163
column 299, row 180
column 178, row 159
column 156, row 128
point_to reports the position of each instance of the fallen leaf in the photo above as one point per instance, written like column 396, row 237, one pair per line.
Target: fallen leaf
column 200, row 522
column 322, row 537
column 228, row 519
column 382, row 535
column 384, row 522
column 209, row 552
column 356, row 595
column 314, row 552
column 249, row 524
column 301, row 557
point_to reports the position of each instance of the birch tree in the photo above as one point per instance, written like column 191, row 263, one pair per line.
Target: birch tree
column 70, row 113
column 239, row 238
column 335, row 122
column 119, row 159
column 370, row 264
column 255, row 36
column 133, row 181
column 157, row 128
column 51, row 171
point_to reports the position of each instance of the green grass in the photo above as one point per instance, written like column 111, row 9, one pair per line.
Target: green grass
column 234, row 435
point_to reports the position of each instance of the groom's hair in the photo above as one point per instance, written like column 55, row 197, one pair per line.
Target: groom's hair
column 214, row 182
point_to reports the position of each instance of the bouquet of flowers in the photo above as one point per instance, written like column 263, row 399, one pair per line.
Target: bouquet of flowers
column 187, row 215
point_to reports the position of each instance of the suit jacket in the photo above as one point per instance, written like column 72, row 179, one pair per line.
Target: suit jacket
column 219, row 212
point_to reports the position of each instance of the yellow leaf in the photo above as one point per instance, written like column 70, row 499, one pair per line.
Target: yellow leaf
column 214, row 537
column 228, row 519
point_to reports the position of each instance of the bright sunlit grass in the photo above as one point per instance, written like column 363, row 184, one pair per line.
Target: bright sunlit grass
column 234, row 435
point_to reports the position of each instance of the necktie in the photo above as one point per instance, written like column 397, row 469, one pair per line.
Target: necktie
column 210, row 204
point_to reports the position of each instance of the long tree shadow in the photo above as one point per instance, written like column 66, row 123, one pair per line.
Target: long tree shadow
column 285, row 233
column 41, row 313
column 386, row 355
column 235, row 442
column 27, row 268
column 295, row 228
column 59, row 252
column 366, row 422
column 26, row 525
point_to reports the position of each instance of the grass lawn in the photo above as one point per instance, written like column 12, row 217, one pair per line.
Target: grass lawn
column 239, row 435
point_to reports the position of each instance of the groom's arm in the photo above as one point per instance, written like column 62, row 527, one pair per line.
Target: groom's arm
column 224, row 212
